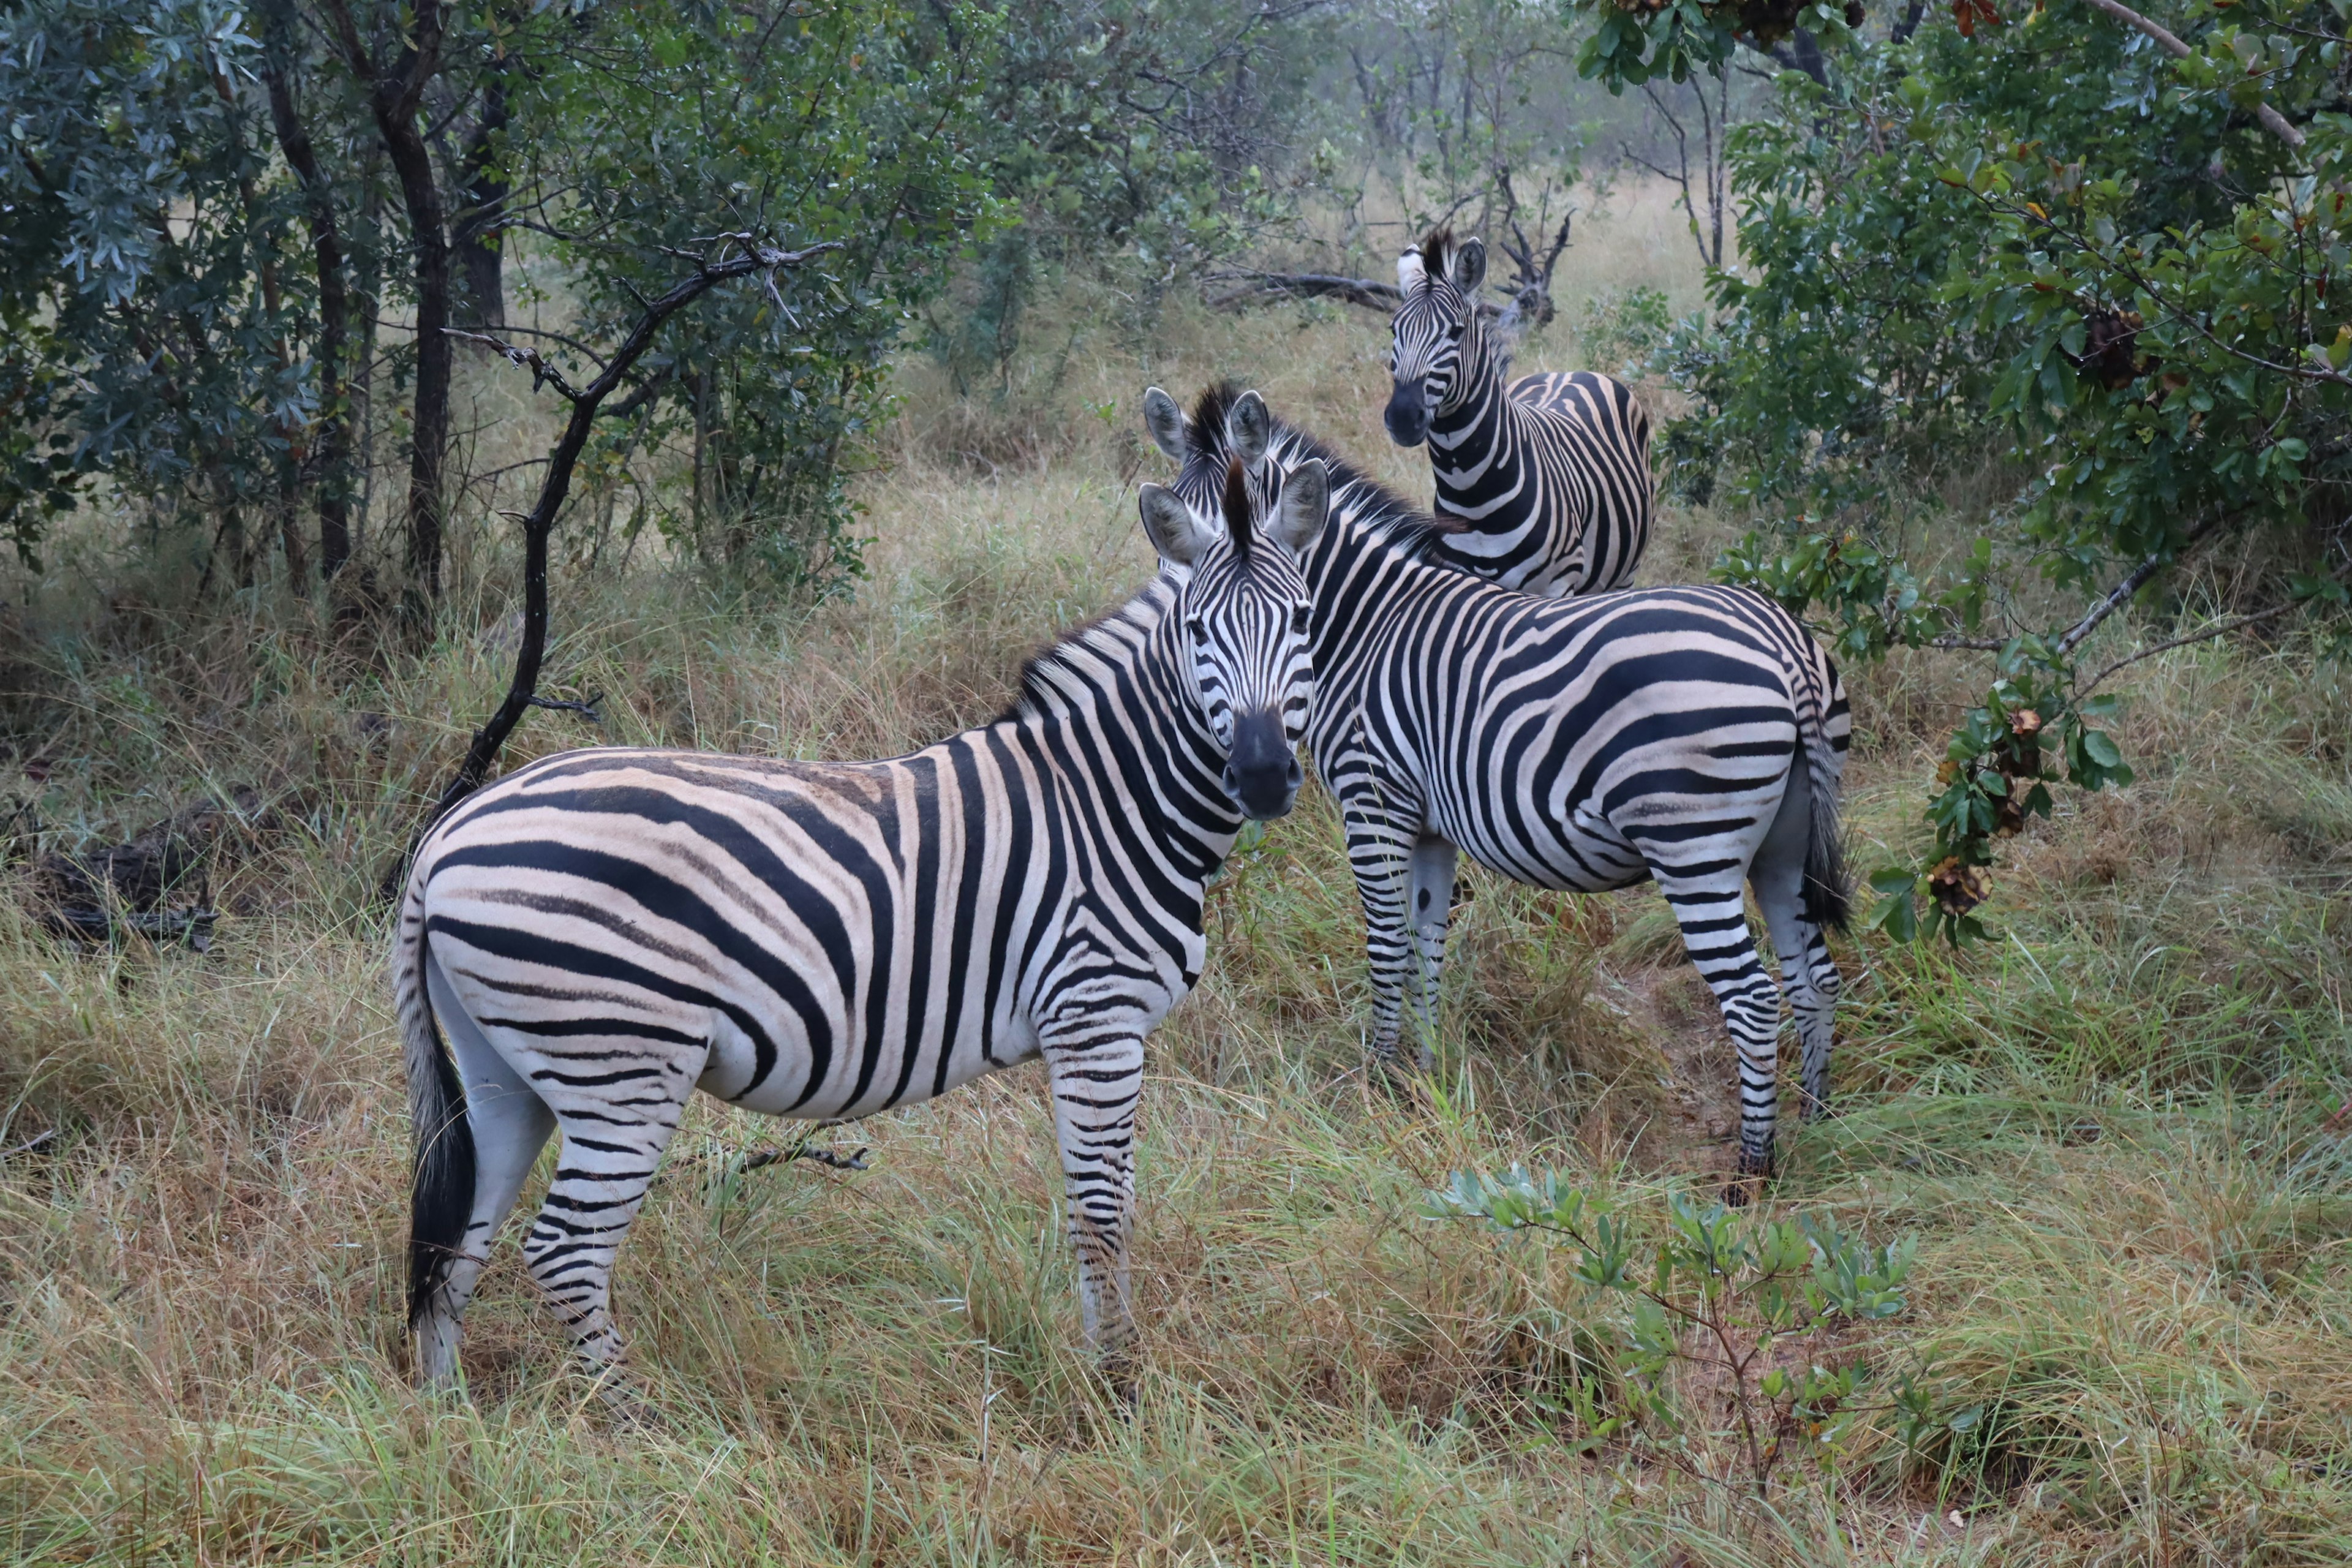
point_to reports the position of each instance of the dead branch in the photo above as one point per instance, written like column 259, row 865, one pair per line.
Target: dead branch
column 726, row 256
column 1260, row 287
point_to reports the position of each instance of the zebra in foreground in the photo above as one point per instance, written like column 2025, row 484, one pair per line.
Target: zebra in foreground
column 605, row 931
column 1548, row 477
column 1695, row 737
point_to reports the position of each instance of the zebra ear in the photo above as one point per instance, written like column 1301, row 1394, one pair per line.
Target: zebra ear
column 1249, row 429
column 1305, row 503
column 1467, row 266
column 1410, row 271
column 1168, row 523
column 1165, row 420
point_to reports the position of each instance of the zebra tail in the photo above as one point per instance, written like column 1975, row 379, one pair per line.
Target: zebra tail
column 441, row 1189
column 1828, row 893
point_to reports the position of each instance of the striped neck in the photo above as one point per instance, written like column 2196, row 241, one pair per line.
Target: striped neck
column 1111, row 700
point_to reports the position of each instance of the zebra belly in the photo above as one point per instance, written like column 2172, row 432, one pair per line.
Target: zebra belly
column 814, row 941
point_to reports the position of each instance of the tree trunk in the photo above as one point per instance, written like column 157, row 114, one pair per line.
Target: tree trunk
column 396, row 93
column 480, row 227
column 333, row 454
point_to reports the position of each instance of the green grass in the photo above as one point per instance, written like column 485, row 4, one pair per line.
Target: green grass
column 2117, row 1133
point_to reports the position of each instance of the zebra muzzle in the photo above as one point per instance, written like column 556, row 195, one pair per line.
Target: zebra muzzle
column 1407, row 416
column 1262, row 773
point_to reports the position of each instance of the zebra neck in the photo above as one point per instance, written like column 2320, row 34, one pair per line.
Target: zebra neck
column 1111, row 706
column 1474, row 448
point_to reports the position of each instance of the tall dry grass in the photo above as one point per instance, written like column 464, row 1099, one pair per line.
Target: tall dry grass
column 2117, row 1133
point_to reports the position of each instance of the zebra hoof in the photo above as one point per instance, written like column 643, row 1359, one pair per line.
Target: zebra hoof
column 1126, row 1392
column 1747, row 1182
column 1396, row 1077
column 625, row 1403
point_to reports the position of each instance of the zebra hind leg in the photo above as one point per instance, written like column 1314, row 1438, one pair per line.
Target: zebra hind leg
column 1808, row 975
column 611, row 1148
column 510, row 1124
column 1713, row 915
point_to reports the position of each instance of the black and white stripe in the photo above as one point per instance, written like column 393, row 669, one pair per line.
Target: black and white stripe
column 1692, row 736
column 605, row 931
column 1548, row 477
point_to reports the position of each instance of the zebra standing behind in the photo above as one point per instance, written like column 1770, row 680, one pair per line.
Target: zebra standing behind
column 605, row 931
column 1695, row 737
column 1548, row 477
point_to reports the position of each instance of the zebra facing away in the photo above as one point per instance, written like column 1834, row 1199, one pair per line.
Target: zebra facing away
column 1550, row 477
column 1695, row 737
column 602, row 933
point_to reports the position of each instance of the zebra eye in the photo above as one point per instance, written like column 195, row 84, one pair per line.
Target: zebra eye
column 1299, row 619
column 1200, row 630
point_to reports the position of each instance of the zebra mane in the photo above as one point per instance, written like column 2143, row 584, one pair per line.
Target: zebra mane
column 1107, row 636
column 1432, row 249
column 1237, row 517
column 1357, row 499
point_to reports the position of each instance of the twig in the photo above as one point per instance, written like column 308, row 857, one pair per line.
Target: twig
column 2222, row 628
column 33, row 1143
column 2136, row 579
column 556, row 704
column 821, row 1156
column 2272, row 120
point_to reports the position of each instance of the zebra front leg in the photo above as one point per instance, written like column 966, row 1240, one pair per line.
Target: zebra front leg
column 1384, row 853
column 1713, row 914
column 1096, row 1083
column 1431, row 894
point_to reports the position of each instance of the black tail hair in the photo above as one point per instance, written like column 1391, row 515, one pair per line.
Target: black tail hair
column 441, row 1186
column 1828, row 894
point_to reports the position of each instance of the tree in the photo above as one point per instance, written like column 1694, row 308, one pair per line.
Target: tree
column 2099, row 257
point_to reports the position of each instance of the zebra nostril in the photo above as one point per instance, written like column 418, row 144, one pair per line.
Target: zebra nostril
column 1232, row 782
column 1295, row 774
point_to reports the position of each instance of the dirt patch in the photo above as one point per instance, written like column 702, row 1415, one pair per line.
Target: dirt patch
column 1698, row 1131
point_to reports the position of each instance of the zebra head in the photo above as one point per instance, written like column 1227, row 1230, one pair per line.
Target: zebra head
column 1243, row 613
column 1439, row 279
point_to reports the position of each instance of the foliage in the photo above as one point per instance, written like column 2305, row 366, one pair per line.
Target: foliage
column 1637, row 43
column 1722, row 1312
column 147, row 306
column 1136, row 138
column 853, row 122
column 2049, row 250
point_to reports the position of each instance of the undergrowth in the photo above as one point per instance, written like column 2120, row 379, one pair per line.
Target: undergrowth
column 2117, row 1135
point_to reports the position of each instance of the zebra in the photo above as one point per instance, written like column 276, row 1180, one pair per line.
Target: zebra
column 1548, row 477
column 603, row 932
column 1694, row 736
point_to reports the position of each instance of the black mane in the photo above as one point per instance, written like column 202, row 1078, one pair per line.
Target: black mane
column 1379, row 511
column 1432, row 250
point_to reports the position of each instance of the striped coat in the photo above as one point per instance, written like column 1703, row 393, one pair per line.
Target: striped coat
column 1695, row 737
column 602, row 933
column 1546, row 479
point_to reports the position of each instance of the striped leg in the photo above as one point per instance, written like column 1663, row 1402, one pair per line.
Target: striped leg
column 614, row 1136
column 1808, row 977
column 1712, row 913
column 509, row 1123
column 1096, row 1081
column 1406, row 884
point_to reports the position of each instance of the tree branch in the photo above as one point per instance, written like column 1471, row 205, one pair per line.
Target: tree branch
column 2169, row 42
column 750, row 256
column 2220, row 629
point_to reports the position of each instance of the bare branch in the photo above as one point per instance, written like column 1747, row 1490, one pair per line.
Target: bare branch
column 2206, row 634
column 530, row 359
